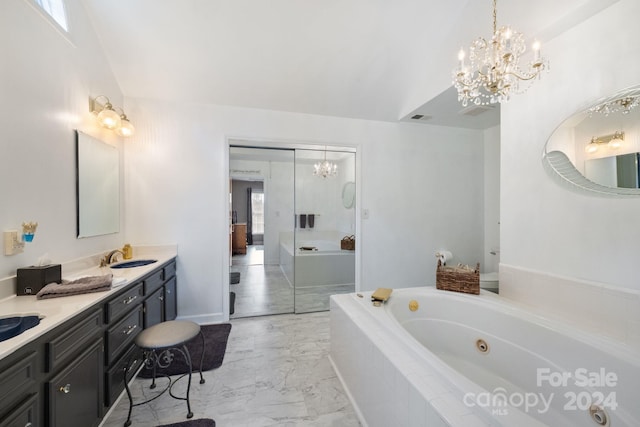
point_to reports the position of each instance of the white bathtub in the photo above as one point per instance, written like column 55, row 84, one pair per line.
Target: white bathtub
column 423, row 367
column 325, row 266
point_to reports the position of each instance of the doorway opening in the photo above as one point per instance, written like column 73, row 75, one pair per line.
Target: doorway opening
column 287, row 224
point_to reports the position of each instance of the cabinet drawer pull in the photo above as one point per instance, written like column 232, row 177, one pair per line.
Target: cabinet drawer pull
column 129, row 300
column 28, row 424
column 129, row 329
column 65, row 389
column 161, row 298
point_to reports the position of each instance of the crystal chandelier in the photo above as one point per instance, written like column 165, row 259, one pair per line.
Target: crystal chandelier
column 494, row 72
column 325, row 168
column 624, row 105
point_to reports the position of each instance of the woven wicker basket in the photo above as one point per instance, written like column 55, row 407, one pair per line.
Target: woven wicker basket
column 450, row 280
column 348, row 243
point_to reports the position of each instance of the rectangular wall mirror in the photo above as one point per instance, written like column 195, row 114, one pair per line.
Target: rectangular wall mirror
column 97, row 186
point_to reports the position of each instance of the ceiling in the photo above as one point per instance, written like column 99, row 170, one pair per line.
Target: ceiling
column 364, row 59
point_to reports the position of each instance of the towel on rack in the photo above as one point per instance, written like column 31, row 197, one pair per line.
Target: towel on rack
column 303, row 220
column 83, row 285
column 311, row 219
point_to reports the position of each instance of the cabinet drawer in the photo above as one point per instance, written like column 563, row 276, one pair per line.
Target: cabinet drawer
column 16, row 381
column 75, row 394
column 114, row 384
column 25, row 415
column 60, row 348
column 169, row 271
column 122, row 303
column 153, row 282
column 120, row 335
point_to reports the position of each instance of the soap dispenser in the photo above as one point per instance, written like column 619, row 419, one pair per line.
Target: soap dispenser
column 127, row 251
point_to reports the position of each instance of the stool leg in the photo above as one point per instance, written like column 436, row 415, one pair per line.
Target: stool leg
column 126, row 387
column 188, row 357
column 202, row 357
column 155, row 363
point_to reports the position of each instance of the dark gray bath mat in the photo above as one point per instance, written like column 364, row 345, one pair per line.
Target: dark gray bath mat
column 215, row 343
column 203, row 422
column 234, row 277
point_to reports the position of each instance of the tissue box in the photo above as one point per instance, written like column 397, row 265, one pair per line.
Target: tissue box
column 32, row 279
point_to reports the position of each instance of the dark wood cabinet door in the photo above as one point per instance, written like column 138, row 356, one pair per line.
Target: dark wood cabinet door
column 170, row 300
column 75, row 394
column 154, row 308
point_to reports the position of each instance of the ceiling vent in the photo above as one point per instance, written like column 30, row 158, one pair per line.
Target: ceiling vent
column 476, row 110
column 421, row 117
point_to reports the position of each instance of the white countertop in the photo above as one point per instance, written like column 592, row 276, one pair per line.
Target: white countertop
column 55, row 311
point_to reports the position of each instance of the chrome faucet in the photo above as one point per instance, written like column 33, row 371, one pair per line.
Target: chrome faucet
column 108, row 258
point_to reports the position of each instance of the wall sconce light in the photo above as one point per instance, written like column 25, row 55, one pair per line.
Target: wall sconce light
column 613, row 141
column 13, row 244
column 109, row 118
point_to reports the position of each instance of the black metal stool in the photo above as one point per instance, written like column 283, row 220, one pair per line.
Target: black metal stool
column 159, row 342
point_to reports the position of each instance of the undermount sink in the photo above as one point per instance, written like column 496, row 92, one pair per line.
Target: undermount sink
column 135, row 263
column 13, row 326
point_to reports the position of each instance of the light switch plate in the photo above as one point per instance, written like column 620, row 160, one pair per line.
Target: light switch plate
column 12, row 245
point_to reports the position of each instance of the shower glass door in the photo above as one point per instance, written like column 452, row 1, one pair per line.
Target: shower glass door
column 324, row 216
column 262, row 212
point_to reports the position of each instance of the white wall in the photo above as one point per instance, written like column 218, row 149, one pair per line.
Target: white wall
column 279, row 199
column 421, row 184
column 46, row 82
column 545, row 227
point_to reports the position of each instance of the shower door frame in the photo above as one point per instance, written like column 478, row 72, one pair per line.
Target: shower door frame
column 292, row 145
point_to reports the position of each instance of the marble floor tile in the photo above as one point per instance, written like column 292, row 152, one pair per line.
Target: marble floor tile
column 276, row 372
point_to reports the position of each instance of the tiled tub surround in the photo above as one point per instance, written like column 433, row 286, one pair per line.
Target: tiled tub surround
column 58, row 310
column 609, row 311
column 394, row 380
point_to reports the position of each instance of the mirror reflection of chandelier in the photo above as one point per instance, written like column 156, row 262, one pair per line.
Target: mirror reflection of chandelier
column 325, row 168
column 494, row 72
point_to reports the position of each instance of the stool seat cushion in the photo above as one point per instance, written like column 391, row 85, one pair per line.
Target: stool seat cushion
column 167, row 334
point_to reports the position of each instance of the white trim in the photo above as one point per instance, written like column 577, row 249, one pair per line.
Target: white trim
column 66, row 33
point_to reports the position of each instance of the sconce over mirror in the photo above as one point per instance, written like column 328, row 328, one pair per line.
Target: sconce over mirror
column 98, row 186
column 598, row 150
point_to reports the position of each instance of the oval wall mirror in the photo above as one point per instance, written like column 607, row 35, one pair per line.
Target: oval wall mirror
column 348, row 194
column 598, row 149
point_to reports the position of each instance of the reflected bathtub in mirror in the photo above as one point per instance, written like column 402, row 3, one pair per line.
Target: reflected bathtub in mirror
column 596, row 150
column 97, row 187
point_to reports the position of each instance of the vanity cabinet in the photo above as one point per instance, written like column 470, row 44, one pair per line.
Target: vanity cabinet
column 160, row 302
column 72, row 374
column 139, row 306
column 18, row 389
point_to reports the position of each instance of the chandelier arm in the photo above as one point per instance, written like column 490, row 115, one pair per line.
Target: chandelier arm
column 521, row 77
column 495, row 16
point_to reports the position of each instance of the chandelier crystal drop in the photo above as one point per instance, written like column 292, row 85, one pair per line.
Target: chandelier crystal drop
column 325, row 168
column 494, row 72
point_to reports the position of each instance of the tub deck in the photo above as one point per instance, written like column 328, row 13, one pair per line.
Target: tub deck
column 423, row 367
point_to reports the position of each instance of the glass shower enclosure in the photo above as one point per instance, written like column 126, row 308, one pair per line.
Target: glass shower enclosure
column 322, row 266
column 308, row 209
